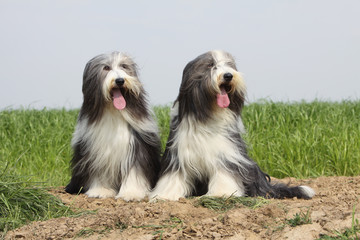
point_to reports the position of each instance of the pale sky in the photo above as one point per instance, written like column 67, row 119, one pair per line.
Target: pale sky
column 287, row 50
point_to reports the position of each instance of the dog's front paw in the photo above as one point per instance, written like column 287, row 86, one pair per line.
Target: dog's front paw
column 131, row 195
column 172, row 196
column 164, row 198
column 100, row 192
column 170, row 187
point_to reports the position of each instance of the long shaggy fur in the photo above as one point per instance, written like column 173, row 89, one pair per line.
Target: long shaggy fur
column 116, row 152
column 205, row 153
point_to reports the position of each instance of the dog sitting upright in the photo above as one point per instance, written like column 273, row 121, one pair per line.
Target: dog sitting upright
column 205, row 153
column 116, row 144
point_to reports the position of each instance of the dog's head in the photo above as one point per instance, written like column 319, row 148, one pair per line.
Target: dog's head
column 110, row 81
column 210, row 83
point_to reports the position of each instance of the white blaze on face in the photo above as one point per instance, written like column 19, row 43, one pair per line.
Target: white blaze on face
column 222, row 98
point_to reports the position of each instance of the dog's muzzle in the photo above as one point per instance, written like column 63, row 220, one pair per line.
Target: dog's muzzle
column 222, row 99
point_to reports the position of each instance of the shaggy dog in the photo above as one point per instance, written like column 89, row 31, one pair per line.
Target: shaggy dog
column 205, row 153
column 116, row 145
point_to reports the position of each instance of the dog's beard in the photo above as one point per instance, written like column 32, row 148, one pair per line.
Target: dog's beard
column 227, row 90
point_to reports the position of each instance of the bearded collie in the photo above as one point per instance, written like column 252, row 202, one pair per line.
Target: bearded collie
column 116, row 144
column 205, row 152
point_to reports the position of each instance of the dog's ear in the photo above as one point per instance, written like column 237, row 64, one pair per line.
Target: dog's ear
column 93, row 99
column 86, row 73
column 196, row 94
column 93, row 68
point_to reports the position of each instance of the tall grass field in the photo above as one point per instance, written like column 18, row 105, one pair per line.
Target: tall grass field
column 300, row 140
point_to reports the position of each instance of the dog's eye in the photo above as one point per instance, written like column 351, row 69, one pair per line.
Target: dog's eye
column 211, row 65
column 231, row 64
column 124, row 66
column 106, row 68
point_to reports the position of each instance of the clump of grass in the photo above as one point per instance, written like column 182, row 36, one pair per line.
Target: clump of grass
column 300, row 219
column 162, row 114
column 85, row 232
column 173, row 222
column 22, row 201
column 102, row 230
column 121, row 226
column 223, row 204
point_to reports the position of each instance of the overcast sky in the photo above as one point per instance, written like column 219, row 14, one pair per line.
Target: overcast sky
column 287, row 50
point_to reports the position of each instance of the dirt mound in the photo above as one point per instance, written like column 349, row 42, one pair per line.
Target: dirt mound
column 331, row 209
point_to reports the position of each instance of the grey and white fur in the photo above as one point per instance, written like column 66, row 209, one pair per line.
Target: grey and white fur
column 116, row 147
column 205, row 152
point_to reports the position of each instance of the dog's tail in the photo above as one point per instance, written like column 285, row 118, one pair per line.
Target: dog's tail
column 261, row 185
column 280, row 190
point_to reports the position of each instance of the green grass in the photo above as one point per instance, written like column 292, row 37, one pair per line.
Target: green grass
column 22, row 201
column 286, row 139
column 173, row 222
column 101, row 230
column 37, row 143
column 305, row 139
column 223, row 204
column 162, row 115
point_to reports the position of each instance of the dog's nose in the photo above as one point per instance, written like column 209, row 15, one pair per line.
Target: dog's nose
column 228, row 77
column 119, row 81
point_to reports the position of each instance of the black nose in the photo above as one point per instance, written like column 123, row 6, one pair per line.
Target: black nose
column 119, row 81
column 228, row 77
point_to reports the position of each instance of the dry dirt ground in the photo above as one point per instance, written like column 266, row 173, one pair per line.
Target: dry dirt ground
column 331, row 209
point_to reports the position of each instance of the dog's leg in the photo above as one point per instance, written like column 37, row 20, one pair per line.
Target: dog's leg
column 135, row 186
column 171, row 186
column 97, row 190
column 223, row 183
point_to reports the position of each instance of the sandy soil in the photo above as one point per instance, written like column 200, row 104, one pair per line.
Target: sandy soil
column 330, row 210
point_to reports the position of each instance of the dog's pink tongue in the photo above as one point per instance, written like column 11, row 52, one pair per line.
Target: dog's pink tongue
column 223, row 99
column 118, row 99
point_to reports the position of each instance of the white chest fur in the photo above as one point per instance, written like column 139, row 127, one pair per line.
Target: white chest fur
column 109, row 145
column 204, row 148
